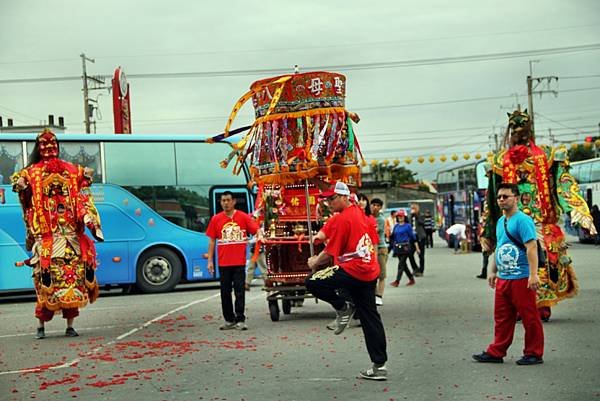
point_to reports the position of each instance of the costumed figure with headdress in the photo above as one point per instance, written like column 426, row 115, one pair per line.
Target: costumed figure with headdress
column 57, row 206
column 547, row 191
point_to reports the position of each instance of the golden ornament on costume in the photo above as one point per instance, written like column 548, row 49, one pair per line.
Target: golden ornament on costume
column 421, row 159
column 466, row 156
column 408, row 160
column 477, row 156
column 431, row 159
column 454, row 157
column 443, row 158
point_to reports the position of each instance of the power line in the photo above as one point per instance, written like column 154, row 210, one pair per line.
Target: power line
column 338, row 67
column 346, row 45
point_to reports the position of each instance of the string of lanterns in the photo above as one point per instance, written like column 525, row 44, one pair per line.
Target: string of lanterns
column 466, row 156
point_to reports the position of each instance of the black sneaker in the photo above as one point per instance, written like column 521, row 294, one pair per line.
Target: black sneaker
column 481, row 276
column 485, row 357
column 374, row 373
column 530, row 360
column 40, row 333
column 70, row 332
column 343, row 318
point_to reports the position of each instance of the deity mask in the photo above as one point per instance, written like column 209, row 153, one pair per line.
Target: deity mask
column 48, row 145
column 519, row 128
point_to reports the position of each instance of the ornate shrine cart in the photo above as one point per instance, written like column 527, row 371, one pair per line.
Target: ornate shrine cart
column 301, row 133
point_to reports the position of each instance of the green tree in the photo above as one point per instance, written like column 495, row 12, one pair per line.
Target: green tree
column 397, row 175
column 581, row 153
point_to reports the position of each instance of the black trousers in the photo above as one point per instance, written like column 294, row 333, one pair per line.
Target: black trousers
column 323, row 285
column 422, row 246
column 403, row 268
column 233, row 277
column 429, row 237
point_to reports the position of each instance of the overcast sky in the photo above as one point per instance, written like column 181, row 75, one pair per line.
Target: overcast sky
column 44, row 39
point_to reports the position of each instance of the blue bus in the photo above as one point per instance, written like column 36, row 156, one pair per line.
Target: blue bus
column 587, row 175
column 155, row 195
column 461, row 196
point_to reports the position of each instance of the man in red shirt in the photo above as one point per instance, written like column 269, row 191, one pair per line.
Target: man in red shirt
column 230, row 228
column 357, row 270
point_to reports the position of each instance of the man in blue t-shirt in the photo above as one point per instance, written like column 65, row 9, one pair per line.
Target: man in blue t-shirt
column 515, row 278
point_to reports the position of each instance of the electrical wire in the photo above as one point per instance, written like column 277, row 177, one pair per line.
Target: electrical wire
column 334, row 67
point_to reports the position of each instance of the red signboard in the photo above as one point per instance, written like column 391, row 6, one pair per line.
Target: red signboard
column 121, row 104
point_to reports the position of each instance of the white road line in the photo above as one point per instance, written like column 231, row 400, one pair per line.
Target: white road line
column 122, row 336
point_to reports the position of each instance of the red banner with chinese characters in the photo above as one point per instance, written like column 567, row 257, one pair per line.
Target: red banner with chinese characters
column 121, row 103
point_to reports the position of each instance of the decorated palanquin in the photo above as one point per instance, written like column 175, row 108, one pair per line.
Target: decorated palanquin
column 547, row 191
column 301, row 130
column 302, row 136
column 57, row 206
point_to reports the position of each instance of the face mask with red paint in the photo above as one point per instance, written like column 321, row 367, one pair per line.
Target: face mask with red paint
column 48, row 145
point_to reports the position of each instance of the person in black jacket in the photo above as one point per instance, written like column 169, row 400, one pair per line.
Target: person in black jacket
column 418, row 223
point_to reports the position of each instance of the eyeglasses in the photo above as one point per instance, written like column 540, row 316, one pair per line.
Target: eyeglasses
column 504, row 196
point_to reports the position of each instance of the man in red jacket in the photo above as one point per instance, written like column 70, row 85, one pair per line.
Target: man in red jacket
column 230, row 228
column 356, row 271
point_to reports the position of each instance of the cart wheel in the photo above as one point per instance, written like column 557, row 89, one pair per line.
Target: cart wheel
column 286, row 306
column 274, row 310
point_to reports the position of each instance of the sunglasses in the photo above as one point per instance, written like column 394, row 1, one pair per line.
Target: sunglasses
column 504, row 196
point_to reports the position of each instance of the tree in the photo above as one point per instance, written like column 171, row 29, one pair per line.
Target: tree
column 394, row 174
column 581, row 153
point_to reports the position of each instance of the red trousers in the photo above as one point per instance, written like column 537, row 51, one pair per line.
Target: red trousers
column 514, row 298
column 45, row 314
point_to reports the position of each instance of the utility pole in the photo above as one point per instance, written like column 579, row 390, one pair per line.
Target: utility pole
column 98, row 83
column 532, row 85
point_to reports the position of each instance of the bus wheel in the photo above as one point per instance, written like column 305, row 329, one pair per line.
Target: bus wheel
column 158, row 270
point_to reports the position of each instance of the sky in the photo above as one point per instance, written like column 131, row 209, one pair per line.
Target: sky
column 422, row 88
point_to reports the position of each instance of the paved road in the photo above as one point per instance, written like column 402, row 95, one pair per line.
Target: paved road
column 168, row 347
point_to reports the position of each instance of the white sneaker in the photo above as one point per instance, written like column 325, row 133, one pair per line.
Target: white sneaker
column 374, row 373
column 227, row 326
column 241, row 326
column 378, row 300
column 332, row 325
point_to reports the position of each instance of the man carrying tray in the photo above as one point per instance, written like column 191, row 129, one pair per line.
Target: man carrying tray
column 356, row 271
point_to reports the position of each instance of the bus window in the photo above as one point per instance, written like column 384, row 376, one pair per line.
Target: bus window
column 139, row 163
column 186, row 206
column 595, row 171
column 11, row 160
column 199, row 164
column 86, row 154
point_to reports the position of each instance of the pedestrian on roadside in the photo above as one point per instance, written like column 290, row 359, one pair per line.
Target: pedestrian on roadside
column 390, row 222
column 514, row 276
column 252, row 264
column 356, row 270
column 457, row 233
column 382, row 251
column 596, row 217
column 484, row 267
column 429, row 227
column 402, row 240
column 231, row 228
column 418, row 223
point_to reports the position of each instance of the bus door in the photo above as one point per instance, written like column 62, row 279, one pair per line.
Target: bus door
column 243, row 202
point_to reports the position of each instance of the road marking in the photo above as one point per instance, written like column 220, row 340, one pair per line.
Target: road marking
column 122, row 336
